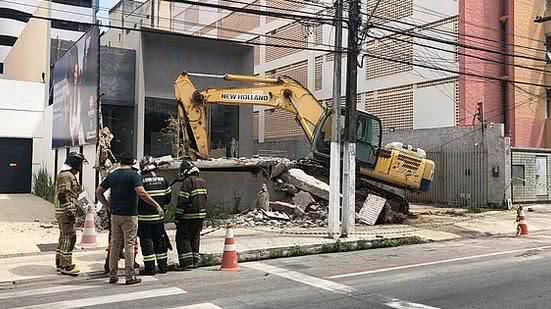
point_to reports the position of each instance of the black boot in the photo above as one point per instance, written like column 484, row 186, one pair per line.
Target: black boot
column 149, row 269
column 184, row 266
column 163, row 267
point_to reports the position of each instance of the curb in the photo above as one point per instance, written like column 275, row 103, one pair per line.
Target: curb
column 213, row 259
column 298, row 250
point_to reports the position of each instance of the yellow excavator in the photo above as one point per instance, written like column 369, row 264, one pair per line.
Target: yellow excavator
column 386, row 171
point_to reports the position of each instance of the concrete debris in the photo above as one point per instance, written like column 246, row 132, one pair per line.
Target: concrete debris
column 263, row 198
column 233, row 163
column 279, row 169
column 164, row 160
column 275, row 215
column 259, row 218
column 46, row 225
column 308, row 183
column 289, row 209
column 303, row 199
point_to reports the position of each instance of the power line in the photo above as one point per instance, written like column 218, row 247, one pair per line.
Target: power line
column 452, row 71
column 439, row 14
column 161, row 31
column 464, row 54
column 259, row 12
column 409, row 33
column 135, row 14
column 452, row 33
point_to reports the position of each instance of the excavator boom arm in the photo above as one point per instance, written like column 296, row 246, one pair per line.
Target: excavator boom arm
column 281, row 93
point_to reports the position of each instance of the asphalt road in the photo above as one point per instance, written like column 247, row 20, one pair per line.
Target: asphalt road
column 477, row 273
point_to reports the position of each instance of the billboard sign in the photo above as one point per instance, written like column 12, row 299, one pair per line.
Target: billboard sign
column 75, row 88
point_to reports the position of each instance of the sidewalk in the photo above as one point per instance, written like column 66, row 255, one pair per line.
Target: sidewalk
column 21, row 258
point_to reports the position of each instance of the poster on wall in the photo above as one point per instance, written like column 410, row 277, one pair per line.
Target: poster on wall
column 75, row 87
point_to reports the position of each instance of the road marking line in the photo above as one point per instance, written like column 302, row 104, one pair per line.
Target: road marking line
column 397, row 304
column 102, row 300
column 42, row 291
column 375, row 271
column 199, row 306
column 144, row 279
column 302, row 278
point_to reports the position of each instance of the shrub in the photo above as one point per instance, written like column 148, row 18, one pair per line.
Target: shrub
column 44, row 185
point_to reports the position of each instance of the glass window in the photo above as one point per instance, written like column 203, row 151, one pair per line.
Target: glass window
column 157, row 112
column 120, row 120
column 518, row 176
column 368, row 136
column 224, row 131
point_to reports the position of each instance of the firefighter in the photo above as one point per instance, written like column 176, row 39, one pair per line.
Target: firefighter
column 67, row 191
column 190, row 213
column 150, row 222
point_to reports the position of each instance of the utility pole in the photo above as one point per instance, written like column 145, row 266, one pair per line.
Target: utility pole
column 153, row 14
column 349, row 157
column 335, row 158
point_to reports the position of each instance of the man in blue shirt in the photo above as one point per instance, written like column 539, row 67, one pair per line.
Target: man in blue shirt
column 126, row 186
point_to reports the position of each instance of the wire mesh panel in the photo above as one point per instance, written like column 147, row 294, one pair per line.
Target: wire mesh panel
column 460, row 179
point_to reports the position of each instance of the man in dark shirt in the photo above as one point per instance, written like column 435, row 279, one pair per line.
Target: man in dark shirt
column 126, row 185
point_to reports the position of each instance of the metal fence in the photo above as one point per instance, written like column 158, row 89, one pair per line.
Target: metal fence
column 460, row 179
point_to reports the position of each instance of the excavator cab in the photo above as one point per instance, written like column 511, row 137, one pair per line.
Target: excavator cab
column 368, row 139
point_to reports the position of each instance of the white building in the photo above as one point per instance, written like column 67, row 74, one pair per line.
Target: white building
column 14, row 16
column 25, row 117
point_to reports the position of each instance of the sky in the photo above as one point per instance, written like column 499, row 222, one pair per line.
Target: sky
column 105, row 4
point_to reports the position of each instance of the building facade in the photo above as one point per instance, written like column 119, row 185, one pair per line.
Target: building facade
column 15, row 15
column 488, row 42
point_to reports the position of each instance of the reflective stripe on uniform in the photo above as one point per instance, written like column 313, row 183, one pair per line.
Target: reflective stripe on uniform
column 179, row 211
column 155, row 217
column 183, row 194
column 199, row 215
column 185, row 256
column 149, row 258
column 198, row 192
column 161, row 256
column 159, row 192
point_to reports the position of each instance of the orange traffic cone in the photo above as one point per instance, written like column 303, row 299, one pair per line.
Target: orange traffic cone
column 522, row 227
column 88, row 239
column 229, row 259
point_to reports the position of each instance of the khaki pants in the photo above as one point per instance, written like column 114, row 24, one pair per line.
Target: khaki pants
column 67, row 240
column 123, row 231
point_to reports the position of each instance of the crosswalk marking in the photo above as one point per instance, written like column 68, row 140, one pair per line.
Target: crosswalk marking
column 398, row 304
column 42, row 291
column 199, row 306
column 302, row 278
column 109, row 299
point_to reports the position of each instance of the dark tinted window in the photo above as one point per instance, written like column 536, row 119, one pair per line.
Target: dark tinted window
column 517, row 174
column 83, row 3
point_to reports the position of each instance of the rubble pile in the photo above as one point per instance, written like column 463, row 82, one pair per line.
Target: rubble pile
column 304, row 205
column 290, row 195
column 315, row 216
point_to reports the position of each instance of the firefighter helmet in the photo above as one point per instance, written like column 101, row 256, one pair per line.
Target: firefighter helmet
column 75, row 160
column 147, row 164
column 187, row 168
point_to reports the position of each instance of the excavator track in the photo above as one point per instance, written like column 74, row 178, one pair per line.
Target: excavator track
column 395, row 197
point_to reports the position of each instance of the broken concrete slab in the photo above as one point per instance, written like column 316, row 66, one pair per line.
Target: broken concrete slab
column 275, row 215
column 303, row 199
column 308, row 183
column 263, row 198
column 279, row 169
column 287, row 208
column 233, row 163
